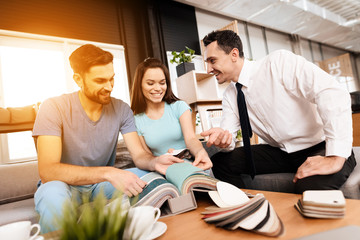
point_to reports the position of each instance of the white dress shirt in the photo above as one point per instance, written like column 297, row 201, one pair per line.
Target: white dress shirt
column 292, row 104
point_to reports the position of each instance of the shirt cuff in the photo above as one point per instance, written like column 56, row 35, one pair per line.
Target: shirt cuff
column 338, row 148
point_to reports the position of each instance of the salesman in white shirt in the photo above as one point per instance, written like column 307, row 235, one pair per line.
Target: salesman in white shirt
column 299, row 110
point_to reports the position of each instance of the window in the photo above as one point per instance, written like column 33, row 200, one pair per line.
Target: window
column 34, row 68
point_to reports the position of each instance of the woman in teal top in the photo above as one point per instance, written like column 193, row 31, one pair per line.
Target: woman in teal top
column 163, row 122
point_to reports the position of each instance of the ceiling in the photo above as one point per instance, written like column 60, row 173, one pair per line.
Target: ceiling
column 332, row 22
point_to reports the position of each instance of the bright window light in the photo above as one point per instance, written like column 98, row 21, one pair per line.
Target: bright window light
column 21, row 146
column 31, row 75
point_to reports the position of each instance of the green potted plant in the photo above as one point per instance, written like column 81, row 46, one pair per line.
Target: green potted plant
column 94, row 220
column 184, row 61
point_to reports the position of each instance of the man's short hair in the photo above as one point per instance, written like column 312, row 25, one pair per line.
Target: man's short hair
column 227, row 40
column 87, row 56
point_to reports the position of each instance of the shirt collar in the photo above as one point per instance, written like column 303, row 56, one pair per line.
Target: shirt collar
column 244, row 77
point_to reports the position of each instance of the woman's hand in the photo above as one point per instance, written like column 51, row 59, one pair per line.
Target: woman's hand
column 161, row 163
column 202, row 160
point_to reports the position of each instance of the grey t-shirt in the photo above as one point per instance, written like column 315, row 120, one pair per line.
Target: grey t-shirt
column 84, row 142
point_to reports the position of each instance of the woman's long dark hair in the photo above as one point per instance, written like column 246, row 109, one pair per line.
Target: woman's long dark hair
column 138, row 103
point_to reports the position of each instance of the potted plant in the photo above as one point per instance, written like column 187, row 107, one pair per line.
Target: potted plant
column 94, row 220
column 184, row 61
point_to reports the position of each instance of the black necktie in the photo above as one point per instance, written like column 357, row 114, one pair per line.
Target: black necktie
column 246, row 130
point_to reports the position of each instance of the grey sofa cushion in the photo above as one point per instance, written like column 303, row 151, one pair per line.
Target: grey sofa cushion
column 18, row 181
column 18, row 211
column 17, row 188
column 351, row 188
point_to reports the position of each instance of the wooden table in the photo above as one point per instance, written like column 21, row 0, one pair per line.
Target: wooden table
column 190, row 225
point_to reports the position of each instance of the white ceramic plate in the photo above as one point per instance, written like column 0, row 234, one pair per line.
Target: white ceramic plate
column 159, row 229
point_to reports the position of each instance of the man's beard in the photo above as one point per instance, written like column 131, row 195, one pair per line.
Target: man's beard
column 97, row 97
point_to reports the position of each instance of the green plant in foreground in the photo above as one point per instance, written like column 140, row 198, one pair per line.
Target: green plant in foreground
column 94, row 220
column 182, row 57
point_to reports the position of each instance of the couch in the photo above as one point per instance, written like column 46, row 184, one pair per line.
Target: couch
column 17, row 203
column 18, row 119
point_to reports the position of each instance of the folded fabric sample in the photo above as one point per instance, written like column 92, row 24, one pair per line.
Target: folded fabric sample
column 322, row 204
column 256, row 215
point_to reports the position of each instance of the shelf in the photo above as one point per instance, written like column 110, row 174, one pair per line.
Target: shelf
column 202, row 92
column 196, row 87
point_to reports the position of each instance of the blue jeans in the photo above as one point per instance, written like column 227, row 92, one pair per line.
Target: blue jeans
column 51, row 196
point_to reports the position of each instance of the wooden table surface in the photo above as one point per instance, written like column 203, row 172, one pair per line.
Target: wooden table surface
column 190, row 226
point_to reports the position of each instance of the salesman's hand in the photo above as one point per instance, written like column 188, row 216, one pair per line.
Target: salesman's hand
column 218, row 137
column 202, row 160
column 162, row 162
column 319, row 165
column 125, row 181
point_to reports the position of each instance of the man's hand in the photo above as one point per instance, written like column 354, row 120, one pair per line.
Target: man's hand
column 218, row 137
column 162, row 162
column 319, row 165
column 125, row 181
column 202, row 160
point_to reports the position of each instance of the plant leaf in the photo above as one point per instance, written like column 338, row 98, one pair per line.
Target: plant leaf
column 94, row 220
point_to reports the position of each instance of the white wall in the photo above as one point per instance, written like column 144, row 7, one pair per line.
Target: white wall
column 316, row 52
column 242, row 34
column 276, row 41
column 305, row 48
column 257, row 42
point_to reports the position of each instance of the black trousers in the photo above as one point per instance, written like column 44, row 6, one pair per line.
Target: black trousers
column 230, row 166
